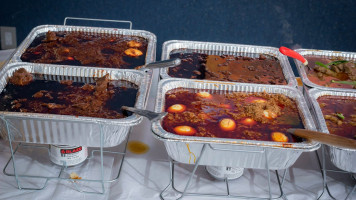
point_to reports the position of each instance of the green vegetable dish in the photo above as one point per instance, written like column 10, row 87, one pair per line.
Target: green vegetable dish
column 331, row 72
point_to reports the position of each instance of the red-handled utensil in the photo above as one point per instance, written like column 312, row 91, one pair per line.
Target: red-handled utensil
column 291, row 53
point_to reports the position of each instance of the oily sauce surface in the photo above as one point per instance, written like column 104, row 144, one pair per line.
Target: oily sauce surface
column 333, row 105
column 345, row 72
column 205, row 113
column 264, row 69
column 53, row 97
column 78, row 48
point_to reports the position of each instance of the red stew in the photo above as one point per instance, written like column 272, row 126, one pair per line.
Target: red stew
column 236, row 115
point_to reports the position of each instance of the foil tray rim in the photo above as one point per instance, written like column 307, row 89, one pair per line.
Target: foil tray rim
column 226, row 141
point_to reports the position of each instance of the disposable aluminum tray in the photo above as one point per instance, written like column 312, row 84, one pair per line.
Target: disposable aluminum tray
column 344, row 159
column 233, row 152
column 325, row 54
column 151, row 48
column 231, row 49
column 66, row 129
column 150, row 53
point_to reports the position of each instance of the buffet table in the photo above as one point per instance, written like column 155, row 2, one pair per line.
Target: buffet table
column 145, row 174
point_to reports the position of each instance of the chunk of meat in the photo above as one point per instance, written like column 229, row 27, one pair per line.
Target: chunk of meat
column 21, row 77
column 50, row 36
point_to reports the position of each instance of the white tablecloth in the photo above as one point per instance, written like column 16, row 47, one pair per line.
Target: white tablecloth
column 144, row 176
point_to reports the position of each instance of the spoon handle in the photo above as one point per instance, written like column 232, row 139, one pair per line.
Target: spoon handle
column 152, row 116
column 291, row 53
column 163, row 63
column 329, row 139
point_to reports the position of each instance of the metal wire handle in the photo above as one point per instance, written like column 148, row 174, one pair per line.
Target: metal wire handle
column 100, row 20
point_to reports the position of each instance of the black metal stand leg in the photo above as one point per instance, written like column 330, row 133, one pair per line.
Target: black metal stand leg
column 347, row 197
column 227, row 187
column 322, row 167
column 280, row 183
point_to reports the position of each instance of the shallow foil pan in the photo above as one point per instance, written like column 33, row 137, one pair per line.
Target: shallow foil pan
column 233, row 152
column 344, row 159
column 150, row 53
column 322, row 53
column 151, row 48
column 66, row 129
column 230, row 49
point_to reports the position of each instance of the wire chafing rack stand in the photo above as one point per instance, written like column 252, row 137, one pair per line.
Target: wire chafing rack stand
column 324, row 171
column 226, row 180
column 75, row 182
column 101, row 150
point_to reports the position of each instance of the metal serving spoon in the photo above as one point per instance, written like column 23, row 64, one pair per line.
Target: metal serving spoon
column 161, row 64
column 329, row 139
column 152, row 116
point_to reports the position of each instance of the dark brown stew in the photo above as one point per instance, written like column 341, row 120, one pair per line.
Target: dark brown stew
column 264, row 69
column 95, row 50
column 102, row 99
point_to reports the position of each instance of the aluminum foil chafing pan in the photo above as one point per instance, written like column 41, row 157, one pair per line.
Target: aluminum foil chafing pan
column 233, row 152
column 344, row 159
column 151, row 48
column 325, row 54
column 66, row 129
column 230, row 49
